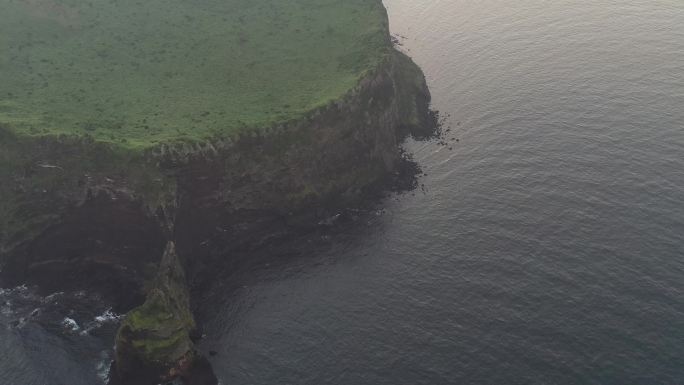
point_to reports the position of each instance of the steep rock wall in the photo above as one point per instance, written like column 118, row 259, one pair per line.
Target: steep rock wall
column 103, row 213
column 72, row 202
column 276, row 176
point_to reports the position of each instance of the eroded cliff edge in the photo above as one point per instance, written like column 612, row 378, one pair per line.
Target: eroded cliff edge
column 79, row 213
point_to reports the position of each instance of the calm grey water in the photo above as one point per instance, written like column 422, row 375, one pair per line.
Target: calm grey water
column 547, row 246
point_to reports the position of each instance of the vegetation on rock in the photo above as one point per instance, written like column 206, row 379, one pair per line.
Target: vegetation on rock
column 96, row 94
column 154, row 338
column 139, row 73
column 198, row 110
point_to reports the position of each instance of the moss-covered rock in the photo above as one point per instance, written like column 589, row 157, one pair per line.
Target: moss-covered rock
column 154, row 339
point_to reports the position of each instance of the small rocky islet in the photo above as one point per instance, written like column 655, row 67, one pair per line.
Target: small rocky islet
column 140, row 141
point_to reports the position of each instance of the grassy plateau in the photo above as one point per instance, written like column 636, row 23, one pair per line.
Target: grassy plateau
column 142, row 72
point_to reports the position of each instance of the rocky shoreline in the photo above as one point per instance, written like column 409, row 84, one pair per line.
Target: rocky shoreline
column 108, row 230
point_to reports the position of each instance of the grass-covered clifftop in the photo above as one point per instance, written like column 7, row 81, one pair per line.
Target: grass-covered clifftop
column 90, row 88
column 129, row 124
column 218, row 107
column 138, row 73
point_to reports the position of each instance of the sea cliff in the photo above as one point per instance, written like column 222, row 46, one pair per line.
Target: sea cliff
column 81, row 212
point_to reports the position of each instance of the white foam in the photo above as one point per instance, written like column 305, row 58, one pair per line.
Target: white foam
column 103, row 367
column 52, row 296
column 108, row 316
column 70, row 324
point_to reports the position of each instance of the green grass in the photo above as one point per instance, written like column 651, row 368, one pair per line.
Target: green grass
column 142, row 72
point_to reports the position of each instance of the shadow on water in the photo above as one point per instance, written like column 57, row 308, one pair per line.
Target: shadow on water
column 304, row 243
column 217, row 288
column 201, row 374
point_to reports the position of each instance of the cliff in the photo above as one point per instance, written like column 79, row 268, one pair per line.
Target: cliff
column 131, row 217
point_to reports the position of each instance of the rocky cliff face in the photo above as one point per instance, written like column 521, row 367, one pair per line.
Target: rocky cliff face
column 141, row 230
column 277, row 175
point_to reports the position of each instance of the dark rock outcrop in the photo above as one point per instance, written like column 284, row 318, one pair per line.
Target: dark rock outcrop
column 153, row 343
